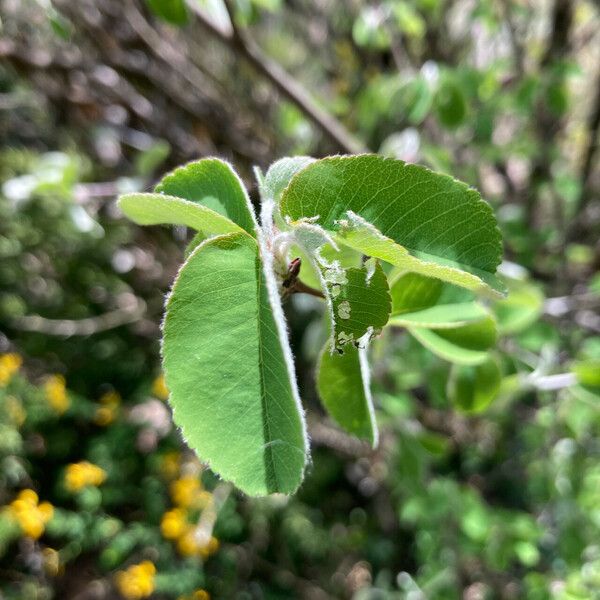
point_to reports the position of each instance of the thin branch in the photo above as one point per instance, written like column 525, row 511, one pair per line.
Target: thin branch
column 238, row 41
column 81, row 327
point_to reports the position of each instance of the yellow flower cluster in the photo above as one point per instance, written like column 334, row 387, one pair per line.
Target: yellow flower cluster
column 56, row 393
column 189, row 544
column 195, row 595
column 137, row 581
column 187, row 492
column 9, row 364
column 159, row 388
column 29, row 514
column 174, row 524
column 84, row 473
column 107, row 411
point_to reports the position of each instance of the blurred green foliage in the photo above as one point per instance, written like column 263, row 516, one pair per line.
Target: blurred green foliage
column 470, row 495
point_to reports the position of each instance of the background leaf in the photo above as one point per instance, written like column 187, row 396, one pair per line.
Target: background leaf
column 237, row 405
column 465, row 345
column 171, row 11
column 419, row 301
column 473, row 389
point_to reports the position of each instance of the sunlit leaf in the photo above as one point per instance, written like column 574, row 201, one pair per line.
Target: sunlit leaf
column 237, row 405
column 160, row 209
column 404, row 214
column 211, row 182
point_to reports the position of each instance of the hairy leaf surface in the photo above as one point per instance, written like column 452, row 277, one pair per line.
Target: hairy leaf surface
column 405, row 214
column 236, row 403
column 212, row 183
column 160, row 209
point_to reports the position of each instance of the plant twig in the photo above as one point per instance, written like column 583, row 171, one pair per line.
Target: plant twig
column 81, row 327
column 239, row 41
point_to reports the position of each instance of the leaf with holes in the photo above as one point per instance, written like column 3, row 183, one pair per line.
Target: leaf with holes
column 421, row 221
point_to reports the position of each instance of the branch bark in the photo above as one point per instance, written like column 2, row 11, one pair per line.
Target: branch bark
column 240, row 42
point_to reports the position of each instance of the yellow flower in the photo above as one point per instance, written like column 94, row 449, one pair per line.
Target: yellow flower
column 189, row 545
column 173, row 523
column 84, row 473
column 9, row 365
column 56, row 393
column 107, row 411
column 185, row 491
column 15, row 411
column 159, row 388
column 31, row 516
column 137, row 581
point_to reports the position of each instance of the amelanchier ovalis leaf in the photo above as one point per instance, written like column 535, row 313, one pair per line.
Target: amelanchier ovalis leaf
column 472, row 389
column 419, row 301
column 360, row 302
column 228, row 370
column 344, row 388
column 280, row 173
column 211, row 182
column 160, row 209
column 421, row 221
column 465, row 345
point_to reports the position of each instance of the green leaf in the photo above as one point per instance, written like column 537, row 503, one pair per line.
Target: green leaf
column 171, row 11
column 343, row 386
column 280, row 173
column 212, row 183
column 419, row 301
column 450, row 104
column 360, row 302
column 236, row 403
column 160, row 209
column 465, row 345
column 588, row 372
column 404, row 214
column 472, row 389
column 520, row 309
